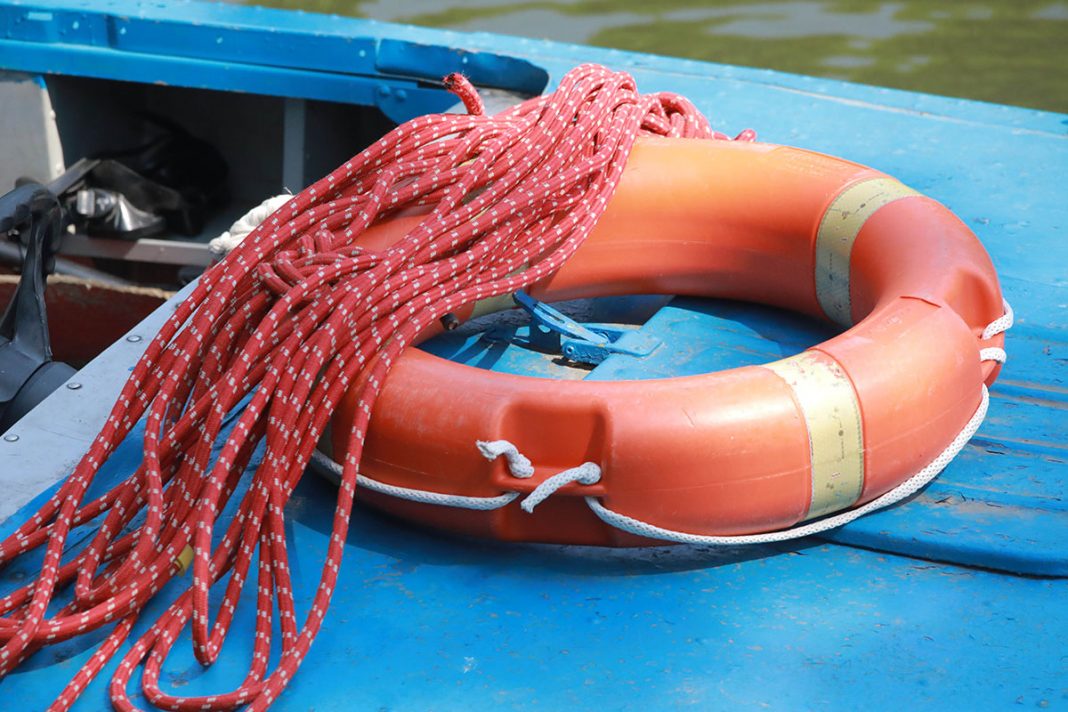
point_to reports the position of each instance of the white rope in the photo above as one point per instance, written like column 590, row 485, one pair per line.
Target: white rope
column 244, row 225
column 518, row 464
column 993, row 354
column 414, row 495
column 587, row 473
column 1001, row 324
column 998, row 326
column 905, row 489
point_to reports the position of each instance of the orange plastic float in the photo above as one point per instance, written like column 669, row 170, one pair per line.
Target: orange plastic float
column 749, row 450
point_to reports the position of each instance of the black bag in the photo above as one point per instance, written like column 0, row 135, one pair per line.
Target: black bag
column 170, row 184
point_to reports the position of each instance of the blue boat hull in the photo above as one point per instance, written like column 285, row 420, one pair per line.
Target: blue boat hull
column 425, row 621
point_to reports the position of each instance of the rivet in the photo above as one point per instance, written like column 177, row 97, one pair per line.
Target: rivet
column 133, row 338
column 12, row 438
column 74, row 386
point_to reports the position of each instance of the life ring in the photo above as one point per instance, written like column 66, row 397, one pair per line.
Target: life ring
column 748, row 450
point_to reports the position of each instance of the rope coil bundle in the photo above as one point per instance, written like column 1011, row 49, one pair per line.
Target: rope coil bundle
column 294, row 317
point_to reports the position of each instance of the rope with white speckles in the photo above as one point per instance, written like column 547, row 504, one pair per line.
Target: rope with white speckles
column 296, row 315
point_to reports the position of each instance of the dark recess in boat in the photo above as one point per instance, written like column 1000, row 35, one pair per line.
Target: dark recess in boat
column 269, row 145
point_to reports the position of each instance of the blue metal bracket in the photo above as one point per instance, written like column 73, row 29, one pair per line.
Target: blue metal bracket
column 550, row 331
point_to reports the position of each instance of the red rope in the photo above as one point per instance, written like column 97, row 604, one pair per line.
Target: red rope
column 294, row 317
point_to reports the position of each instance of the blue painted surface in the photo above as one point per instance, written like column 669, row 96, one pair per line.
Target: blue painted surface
column 425, row 621
column 222, row 50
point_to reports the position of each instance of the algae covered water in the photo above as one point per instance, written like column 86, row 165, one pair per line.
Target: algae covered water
column 1004, row 51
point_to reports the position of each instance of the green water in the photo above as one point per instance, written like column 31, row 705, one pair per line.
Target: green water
column 1005, row 51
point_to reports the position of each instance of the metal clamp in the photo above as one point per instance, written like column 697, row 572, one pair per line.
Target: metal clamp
column 550, row 331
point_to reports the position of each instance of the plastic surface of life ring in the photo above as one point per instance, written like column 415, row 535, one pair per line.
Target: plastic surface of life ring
column 751, row 449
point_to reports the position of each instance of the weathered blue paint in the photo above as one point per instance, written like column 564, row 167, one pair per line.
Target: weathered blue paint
column 424, row 621
column 227, row 52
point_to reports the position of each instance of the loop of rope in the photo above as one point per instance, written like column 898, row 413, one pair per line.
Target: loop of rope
column 297, row 315
column 998, row 326
column 1001, row 324
column 587, row 473
column 590, row 473
column 993, row 354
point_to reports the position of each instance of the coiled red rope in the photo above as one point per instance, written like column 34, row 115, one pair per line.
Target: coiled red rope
column 298, row 314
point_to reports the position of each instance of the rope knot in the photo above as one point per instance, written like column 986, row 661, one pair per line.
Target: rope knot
column 587, row 473
column 518, row 463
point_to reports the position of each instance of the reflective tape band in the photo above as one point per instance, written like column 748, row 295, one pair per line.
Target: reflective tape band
column 184, row 559
column 838, row 231
column 831, row 412
column 492, row 305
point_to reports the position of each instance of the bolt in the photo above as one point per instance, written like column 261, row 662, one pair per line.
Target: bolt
column 74, row 386
column 133, row 338
column 11, row 438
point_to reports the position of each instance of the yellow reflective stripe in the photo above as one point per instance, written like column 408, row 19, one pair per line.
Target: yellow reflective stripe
column 492, row 305
column 838, row 231
column 831, row 413
column 185, row 558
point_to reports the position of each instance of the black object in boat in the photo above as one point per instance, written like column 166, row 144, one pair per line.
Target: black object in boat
column 170, row 183
column 33, row 215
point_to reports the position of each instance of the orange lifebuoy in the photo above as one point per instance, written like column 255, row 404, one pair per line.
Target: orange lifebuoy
column 752, row 449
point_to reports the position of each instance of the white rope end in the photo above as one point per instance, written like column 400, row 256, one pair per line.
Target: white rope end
column 518, row 464
column 224, row 243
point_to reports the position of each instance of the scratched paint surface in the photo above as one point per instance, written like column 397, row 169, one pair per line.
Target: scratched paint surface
column 425, row 621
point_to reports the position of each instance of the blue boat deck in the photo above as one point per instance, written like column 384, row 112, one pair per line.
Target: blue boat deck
column 875, row 618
